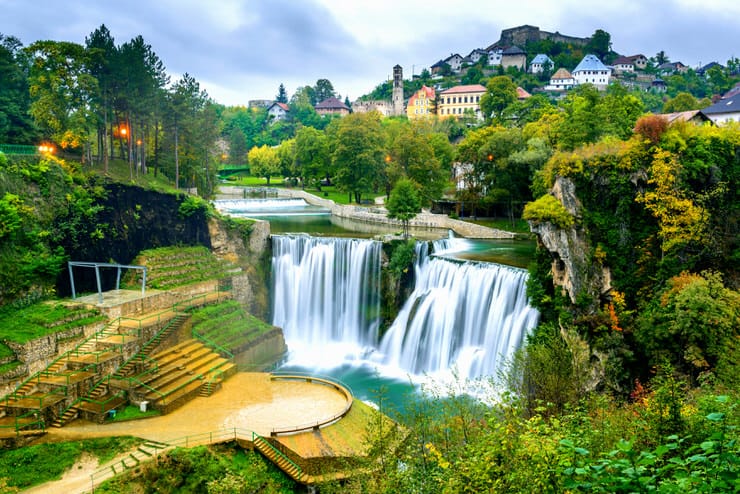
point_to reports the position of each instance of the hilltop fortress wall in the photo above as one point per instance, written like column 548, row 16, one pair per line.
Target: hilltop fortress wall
column 522, row 34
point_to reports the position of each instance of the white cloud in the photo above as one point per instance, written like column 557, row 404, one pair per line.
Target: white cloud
column 244, row 49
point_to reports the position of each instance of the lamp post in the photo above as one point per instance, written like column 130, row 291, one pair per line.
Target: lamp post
column 139, row 156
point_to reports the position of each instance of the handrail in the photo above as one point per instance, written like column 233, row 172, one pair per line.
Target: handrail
column 277, row 452
column 185, row 441
column 209, row 342
column 325, row 380
column 104, row 402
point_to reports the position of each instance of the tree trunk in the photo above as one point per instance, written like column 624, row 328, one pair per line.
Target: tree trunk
column 177, row 161
column 129, row 147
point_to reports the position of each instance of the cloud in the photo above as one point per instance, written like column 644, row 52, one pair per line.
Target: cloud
column 243, row 49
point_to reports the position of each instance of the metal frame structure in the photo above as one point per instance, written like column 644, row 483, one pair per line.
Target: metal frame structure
column 97, row 266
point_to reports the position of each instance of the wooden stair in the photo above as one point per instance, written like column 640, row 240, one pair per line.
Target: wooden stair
column 290, row 468
column 70, row 414
column 128, row 369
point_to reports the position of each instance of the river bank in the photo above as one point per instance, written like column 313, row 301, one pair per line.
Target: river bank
column 377, row 214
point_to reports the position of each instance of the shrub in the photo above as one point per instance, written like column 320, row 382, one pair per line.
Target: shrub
column 547, row 209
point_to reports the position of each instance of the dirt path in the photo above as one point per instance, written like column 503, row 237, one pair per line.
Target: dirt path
column 247, row 401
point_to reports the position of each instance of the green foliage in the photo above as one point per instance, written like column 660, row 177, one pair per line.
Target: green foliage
column 228, row 325
column 34, row 321
column 357, row 154
column 216, row 469
column 402, row 257
column 263, row 162
column 177, row 266
column 677, row 464
column 404, row 203
column 34, row 465
column 547, row 209
column 500, row 93
column 194, row 205
column 691, row 322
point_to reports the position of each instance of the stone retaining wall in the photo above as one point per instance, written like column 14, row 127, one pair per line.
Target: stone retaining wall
column 379, row 215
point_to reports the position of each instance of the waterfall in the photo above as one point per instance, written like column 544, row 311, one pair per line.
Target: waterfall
column 326, row 292
column 461, row 314
column 469, row 315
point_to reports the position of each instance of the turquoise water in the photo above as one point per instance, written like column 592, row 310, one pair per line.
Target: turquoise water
column 368, row 380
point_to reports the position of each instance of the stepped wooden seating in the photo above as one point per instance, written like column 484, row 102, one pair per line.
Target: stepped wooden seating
column 182, row 371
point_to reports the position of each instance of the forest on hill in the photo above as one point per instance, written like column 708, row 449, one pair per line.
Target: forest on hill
column 629, row 383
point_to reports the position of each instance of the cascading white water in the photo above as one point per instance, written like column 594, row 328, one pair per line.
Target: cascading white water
column 257, row 204
column 467, row 315
column 326, row 293
column 267, row 207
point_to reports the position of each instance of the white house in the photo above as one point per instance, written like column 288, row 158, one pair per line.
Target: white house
column 592, row 71
column 539, row 63
column 476, row 55
column 495, row 56
column 725, row 110
column 277, row 111
column 455, row 62
column 562, row 80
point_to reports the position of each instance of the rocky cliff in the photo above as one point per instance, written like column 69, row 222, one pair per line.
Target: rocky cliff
column 574, row 267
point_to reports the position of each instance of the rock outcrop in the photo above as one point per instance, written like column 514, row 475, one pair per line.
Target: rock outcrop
column 573, row 266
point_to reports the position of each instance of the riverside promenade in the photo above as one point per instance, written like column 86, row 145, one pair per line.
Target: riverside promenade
column 377, row 214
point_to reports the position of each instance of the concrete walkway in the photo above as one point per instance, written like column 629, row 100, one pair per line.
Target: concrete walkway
column 247, row 401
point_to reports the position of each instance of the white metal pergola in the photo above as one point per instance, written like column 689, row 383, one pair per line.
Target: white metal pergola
column 97, row 266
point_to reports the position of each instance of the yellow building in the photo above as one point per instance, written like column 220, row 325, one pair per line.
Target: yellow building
column 421, row 103
column 456, row 100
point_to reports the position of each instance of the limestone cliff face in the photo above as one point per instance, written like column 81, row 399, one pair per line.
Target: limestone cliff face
column 251, row 251
column 573, row 267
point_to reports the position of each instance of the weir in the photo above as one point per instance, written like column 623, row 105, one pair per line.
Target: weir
column 267, row 207
column 468, row 315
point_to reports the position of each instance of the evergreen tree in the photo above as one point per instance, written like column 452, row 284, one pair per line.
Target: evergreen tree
column 282, row 95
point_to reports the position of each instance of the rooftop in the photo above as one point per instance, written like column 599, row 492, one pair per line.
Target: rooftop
column 590, row 62
column 470, row 88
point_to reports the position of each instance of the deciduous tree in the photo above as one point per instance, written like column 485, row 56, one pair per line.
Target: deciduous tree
column 404, row 203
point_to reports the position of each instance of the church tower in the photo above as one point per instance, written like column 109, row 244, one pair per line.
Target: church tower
column 397, row 90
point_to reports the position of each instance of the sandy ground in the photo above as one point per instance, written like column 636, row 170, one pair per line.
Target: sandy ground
column 247, row 401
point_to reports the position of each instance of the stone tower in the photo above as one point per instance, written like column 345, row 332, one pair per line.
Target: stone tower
column 397, row 98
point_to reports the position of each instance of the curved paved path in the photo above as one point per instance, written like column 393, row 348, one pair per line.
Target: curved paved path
column 248, row 401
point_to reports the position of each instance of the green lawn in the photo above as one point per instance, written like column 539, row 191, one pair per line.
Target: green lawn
column 37, row 320
column 118, row 170
column 518, row 226
column 34, row 465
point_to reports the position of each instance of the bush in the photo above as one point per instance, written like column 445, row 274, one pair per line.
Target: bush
column 547, row 209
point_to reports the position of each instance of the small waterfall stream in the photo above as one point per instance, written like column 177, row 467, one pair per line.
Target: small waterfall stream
column 469, row 315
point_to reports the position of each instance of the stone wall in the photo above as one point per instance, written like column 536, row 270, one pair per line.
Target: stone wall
column 378, row 215
column 262, row 353
column 251, row 251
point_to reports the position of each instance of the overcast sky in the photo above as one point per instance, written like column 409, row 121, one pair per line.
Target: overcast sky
column 243, row 49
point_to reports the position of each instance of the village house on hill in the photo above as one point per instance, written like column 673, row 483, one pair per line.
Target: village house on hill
column 332, row 106
column 727, row 109
column 540, row 63
column 278, row 111
column 561, row 80
column 421, row 104
column 630, row 64
column 590, row 70
column 455, row 101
